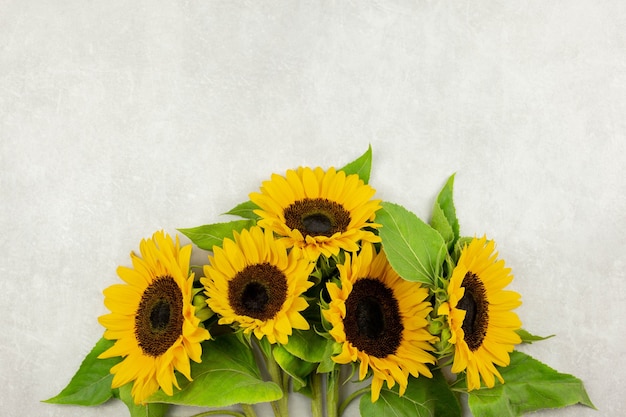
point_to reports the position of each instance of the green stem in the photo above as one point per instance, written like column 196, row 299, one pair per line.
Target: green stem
column 248, row 410
column 317, row 405
column 219, row 413
column 351, row 398
column 281, row 406
column 332, row 393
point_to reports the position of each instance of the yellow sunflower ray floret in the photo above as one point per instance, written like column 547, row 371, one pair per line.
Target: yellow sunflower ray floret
column 253, row 283
column 318, row 212
column 380, row 320
column 152, row 319
column 478, row 309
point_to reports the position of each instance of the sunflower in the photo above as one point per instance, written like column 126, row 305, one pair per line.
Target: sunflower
column 479, row 314
column 152, row 319
column 318, row 212
column 253, row 282
column 380, row 320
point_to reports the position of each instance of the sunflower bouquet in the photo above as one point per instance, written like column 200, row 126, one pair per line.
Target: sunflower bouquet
column 319, row 290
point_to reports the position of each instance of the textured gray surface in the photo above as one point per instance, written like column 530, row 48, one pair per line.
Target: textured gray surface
column 121, row 118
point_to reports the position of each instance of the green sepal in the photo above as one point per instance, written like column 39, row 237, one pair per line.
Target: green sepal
column 529, row 338
column 326, row 268
column 415, row 250
column 424, row 397
column 245, row 210
column 444, row 218
column 227, row 375
column 202, row 310
column 362, row 166
column 264, row 345
column 147, row 410
column 327, row 364
column 209, row 235
column 91, row 385
column 529, row 386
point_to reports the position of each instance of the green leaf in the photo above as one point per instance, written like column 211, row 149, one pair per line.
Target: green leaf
column 305, row 351
column 298, row 369
column 207, row 236
column 308, row 345
column 530, row 338
column 91, row 385
column 424, row 397
column 529, row 386
column 327, row 365
column 148, row 410
column 361, row 166
column 415, row 250
column 444, row 218
column 227, row 375
column 245, row 210
column 440, row 223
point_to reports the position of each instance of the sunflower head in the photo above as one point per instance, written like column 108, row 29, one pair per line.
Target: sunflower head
column 481, row 323
column 253, row 282
column 380, row 320
column 153, row 319
column 318, row 212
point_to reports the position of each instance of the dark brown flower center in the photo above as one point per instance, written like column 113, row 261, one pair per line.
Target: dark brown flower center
column 476, row 307
column 317, row 217
column 159, row 317
column 258, row 291
column 373, row 323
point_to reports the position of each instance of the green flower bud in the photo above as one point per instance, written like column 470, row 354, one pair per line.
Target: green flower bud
column 435, row 327
column 203, row 312
column 443, row 346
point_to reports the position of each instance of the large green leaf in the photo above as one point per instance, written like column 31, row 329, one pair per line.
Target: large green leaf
column 415, row 250
column 147, row 410
column 245, row 210
column 424, row 397
column 227, row 375
column 91, row 385
column 444, row 218
column 529, row 386
column 361, row 166
column 207, row 236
